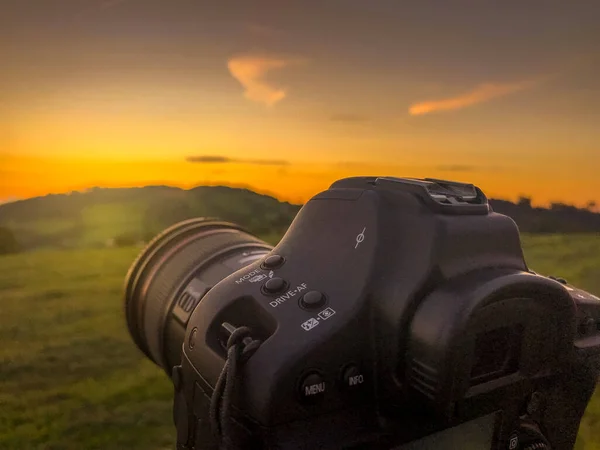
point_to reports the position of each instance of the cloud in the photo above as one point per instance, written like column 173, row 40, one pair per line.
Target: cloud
column 217, row 159
column 250, row 72
column 481, row 93
column 349, row 118
column 208, row 159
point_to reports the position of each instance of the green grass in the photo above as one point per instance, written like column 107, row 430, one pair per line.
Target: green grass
column 105, row 221
column 71, row 377
column 577, row 259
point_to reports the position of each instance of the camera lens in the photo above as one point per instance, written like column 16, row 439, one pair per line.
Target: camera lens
column 199, row 252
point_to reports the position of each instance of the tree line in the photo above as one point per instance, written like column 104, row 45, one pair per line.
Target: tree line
column 58, row 220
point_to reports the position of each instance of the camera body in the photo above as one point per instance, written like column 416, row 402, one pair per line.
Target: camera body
column 394, row 313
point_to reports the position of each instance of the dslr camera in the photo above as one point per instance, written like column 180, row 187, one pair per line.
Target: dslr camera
column 395, row 313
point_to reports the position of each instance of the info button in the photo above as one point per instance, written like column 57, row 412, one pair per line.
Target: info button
column 352, row 377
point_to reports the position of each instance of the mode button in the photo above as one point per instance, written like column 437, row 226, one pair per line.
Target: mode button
column 273, row 262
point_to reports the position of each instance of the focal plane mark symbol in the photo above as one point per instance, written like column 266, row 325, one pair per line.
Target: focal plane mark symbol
column 360, row 237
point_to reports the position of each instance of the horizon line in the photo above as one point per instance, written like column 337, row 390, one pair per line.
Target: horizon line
column 241, row 186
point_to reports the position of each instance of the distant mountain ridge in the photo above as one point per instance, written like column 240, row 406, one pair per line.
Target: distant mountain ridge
column 121, row 216
column 124, row 216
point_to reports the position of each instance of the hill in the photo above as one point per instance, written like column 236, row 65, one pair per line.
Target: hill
column 559, row 218
column 103, row 217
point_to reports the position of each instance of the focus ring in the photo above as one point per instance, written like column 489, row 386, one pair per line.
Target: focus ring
column 138, row 274
column 186, row 257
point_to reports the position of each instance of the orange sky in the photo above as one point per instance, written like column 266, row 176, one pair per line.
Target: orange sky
column 285, row 99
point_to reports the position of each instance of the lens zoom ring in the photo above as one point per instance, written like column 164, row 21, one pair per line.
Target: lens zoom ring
column 174, row 271
column 150, row 253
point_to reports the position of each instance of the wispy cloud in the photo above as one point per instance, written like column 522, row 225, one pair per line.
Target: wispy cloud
column 250, row 71
column 218, row 159
column 481, row 93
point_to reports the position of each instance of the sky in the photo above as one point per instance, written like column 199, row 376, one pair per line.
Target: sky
column 285, row 97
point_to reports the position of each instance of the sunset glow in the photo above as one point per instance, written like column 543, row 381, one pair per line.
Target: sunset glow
column 285, row 101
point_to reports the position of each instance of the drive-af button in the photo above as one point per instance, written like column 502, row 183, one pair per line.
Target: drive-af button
column 274, row 285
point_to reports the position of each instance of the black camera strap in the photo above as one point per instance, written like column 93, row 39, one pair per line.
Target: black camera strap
column 240, row 347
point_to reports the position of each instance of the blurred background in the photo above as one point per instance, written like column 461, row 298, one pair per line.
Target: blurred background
column 119, row 118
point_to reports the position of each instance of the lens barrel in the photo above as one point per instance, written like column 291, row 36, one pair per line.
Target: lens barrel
column 203, row 249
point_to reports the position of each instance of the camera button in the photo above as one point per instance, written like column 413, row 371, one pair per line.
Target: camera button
column 587, row 326
column 312, row 300
column 274, row 285
column 312, row 387
column 273, row 262
column 513, row 441
column 352, row 377
column 560, row 280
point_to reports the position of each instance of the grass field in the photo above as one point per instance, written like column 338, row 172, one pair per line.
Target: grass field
column 71, row 378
